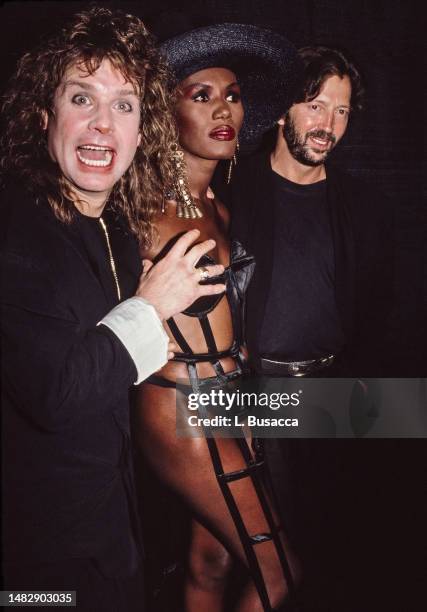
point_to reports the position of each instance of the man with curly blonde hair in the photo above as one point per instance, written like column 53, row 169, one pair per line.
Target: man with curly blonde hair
column 86, row 152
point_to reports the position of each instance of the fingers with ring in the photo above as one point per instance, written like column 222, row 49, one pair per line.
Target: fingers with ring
column 204, row 273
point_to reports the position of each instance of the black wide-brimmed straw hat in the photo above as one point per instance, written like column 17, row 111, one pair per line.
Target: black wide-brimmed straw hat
column 266, row 65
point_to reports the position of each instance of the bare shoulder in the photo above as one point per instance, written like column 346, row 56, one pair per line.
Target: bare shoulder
column 167, row 229
column 158, row 239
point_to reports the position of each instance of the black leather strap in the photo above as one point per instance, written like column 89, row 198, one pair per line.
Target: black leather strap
column 181, row 341
column 254, row 469
column 208, row 335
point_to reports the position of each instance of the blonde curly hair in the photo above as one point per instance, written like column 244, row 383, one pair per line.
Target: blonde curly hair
column 90, row 38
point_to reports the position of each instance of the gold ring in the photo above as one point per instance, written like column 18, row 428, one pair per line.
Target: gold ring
column 204, row 273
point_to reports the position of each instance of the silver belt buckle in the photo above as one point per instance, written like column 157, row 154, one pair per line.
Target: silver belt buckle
column 299, row 368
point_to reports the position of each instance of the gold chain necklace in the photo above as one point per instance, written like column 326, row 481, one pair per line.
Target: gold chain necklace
column 112, row 262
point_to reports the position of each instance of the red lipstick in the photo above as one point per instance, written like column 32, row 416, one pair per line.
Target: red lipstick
column 223, row 133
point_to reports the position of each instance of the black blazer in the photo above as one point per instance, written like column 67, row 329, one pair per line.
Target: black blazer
column 361, row 223
column 67, row 475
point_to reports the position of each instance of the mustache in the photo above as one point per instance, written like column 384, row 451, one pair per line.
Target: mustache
column 321, row 134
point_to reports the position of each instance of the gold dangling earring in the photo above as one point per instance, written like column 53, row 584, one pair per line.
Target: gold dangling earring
column 233, row 161
column 185, row 206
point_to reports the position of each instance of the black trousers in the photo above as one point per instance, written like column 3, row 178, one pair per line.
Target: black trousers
column 94, row 590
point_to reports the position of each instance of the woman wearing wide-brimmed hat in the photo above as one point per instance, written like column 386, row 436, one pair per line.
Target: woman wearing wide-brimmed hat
column 233, row 82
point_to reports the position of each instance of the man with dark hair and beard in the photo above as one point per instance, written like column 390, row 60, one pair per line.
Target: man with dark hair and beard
column 319, row 299
column 317, row 306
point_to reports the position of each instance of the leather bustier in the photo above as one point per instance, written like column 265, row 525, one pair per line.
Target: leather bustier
column 236, row 277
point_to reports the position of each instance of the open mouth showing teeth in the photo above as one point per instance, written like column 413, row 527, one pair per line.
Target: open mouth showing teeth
column 320, row 142
column 95, row 156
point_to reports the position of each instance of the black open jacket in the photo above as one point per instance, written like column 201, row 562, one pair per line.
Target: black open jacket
column 67, row 487
column 361, row 222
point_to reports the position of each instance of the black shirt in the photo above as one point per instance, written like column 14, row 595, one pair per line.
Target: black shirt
column 301, row 319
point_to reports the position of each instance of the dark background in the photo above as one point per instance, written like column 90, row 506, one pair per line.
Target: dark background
column 384, row 144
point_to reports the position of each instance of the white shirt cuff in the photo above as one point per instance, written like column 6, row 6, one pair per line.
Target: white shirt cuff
column 136, row 323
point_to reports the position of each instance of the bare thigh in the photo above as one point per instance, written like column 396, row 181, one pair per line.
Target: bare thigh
column 185, row 465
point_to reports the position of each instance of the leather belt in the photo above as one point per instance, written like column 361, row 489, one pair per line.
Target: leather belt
column 271, row 367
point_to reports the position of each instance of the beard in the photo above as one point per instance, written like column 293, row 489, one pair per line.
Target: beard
column 297, row 143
